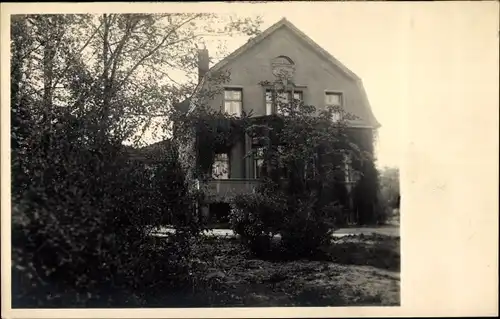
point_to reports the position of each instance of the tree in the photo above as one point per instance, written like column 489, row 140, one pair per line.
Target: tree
column 119, row 69
column 389, row 187
column 307, row 154
column 304, row 154
column 81, row 86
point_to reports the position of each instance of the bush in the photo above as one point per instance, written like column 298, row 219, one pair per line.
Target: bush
column 304, row 226
column 95, row 255
column 257, row 218
column 81, row 225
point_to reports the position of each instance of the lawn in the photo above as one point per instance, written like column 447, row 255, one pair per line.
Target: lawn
column 355, row 270
column 360, row 271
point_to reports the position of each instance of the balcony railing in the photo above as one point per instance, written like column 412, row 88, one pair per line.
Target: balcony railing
column 224, row 189
column 220, row 189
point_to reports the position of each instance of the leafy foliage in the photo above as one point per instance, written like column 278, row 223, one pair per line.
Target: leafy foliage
column 389, row 193
column 82, row 214
column 365, row 192
column 207, row 131
column 87, row 217
column 389, row 186
column 257, row 218
column 301, row 197
column 304, row 189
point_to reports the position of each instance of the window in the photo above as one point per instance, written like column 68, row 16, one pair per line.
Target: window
column 258, row 162
column 269, row 103
column 335, row 100
column 283, row 68
column 233, row 101
column 220, row 167
column 283, row 97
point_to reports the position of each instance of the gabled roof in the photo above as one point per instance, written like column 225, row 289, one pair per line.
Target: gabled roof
column 283, row 23
column 322, row 52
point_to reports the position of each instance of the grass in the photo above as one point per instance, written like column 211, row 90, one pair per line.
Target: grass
column 356, row 270
column 379, row 251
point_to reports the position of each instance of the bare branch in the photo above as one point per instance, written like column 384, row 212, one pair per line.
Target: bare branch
column 57, row 81
column 31, row 51
column 154, row 68
column 149, row 54
column 116, row 55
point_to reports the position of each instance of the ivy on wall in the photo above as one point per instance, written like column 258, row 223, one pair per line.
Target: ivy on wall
column 217, row 132
column 214, row 132
column 365, row 192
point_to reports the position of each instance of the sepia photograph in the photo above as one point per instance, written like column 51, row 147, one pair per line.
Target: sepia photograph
column 207, row 159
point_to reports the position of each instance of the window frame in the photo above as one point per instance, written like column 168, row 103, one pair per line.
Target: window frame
column 231, row 100
column 290, row 96
column 340, row 94
column 227, row 161
column 256, row 160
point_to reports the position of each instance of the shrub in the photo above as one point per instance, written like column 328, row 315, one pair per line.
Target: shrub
column 306, row 227
column 303, row 224
column 257, row 218
column 81, row 225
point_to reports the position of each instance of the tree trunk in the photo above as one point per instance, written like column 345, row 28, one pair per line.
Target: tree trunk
column 48, row 62
column 103, row 126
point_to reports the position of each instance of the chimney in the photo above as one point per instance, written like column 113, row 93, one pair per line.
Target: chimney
column 203, row 63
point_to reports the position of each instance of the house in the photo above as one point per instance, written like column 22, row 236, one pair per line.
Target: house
column 280, row 53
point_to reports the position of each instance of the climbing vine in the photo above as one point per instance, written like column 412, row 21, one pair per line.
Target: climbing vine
column 210, row 132
column 365, row 192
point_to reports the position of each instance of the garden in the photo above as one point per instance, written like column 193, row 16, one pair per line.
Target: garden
column 84, row 211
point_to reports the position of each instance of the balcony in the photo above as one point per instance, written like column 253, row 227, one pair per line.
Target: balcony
column 222, row 189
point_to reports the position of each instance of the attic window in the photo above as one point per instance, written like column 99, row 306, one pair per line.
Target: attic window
column 283, row 68
column 282, row 60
